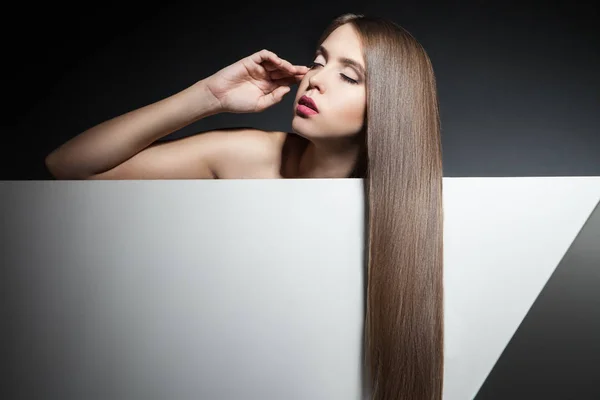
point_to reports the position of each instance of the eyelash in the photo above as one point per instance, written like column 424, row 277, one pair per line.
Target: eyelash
column 344, row 77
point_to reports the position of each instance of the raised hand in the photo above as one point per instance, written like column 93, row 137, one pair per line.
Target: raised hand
column 254, row 83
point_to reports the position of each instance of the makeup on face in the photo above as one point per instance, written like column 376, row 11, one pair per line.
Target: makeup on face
column 307, row 106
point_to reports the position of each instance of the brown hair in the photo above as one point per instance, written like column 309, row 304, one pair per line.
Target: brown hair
column 402, row 170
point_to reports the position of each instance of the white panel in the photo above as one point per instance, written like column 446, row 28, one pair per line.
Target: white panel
column 253, row 289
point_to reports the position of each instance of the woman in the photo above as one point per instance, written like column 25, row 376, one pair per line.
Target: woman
column 366, row 108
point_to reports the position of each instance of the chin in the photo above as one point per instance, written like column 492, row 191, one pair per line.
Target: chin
column 299, row 129
column 307, row 128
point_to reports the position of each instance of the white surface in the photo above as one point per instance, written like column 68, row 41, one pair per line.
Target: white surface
column 253, row 289
column 503, row 238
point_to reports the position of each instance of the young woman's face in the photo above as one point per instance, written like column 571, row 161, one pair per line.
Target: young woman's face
column 337, row 88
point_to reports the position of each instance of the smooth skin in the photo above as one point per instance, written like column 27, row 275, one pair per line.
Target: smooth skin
column 124, row 147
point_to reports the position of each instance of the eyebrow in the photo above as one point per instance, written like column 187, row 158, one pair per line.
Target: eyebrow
column 344, row 60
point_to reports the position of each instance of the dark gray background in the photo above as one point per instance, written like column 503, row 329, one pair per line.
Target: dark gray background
column 519, row 93
column 518, row 82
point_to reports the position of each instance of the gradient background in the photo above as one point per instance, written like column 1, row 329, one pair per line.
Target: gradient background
column 519, row 94
column 518, row 82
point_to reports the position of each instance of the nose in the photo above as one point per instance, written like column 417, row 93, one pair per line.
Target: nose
column 316, row 79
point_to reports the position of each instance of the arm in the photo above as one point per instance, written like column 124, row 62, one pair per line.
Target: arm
column 110, row 144
column 124, row 148
column 222, row 153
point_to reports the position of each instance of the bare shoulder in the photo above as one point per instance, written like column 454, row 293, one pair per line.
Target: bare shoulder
column 247, row 153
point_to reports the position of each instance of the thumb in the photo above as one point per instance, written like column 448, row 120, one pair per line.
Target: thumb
column 277, row 94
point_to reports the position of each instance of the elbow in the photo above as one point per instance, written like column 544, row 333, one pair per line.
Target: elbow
column 59, row 171
column 51, row 166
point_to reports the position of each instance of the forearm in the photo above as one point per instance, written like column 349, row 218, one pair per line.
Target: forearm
column 112, row 142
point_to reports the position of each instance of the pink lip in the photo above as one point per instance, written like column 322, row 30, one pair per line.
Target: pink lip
column 309, row 103
column 305, row 111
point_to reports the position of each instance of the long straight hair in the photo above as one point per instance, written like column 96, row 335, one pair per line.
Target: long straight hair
column 401, row 167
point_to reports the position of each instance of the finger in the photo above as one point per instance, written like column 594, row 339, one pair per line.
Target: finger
column 277, row 94
column 288, row 81
column 278, row 74
column 266, row 57
column 273, row 98
column 301, row 69
column 262, row 55
column 282, row 65
column 294, row 70
column 296, row 79
column 270, row 66
column 272, row 61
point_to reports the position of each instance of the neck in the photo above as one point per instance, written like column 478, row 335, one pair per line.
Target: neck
column 329, row 158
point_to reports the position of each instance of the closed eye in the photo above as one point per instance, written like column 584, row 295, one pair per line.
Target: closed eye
column 344, row 77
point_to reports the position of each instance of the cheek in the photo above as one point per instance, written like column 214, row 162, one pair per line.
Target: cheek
column 352, row 108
